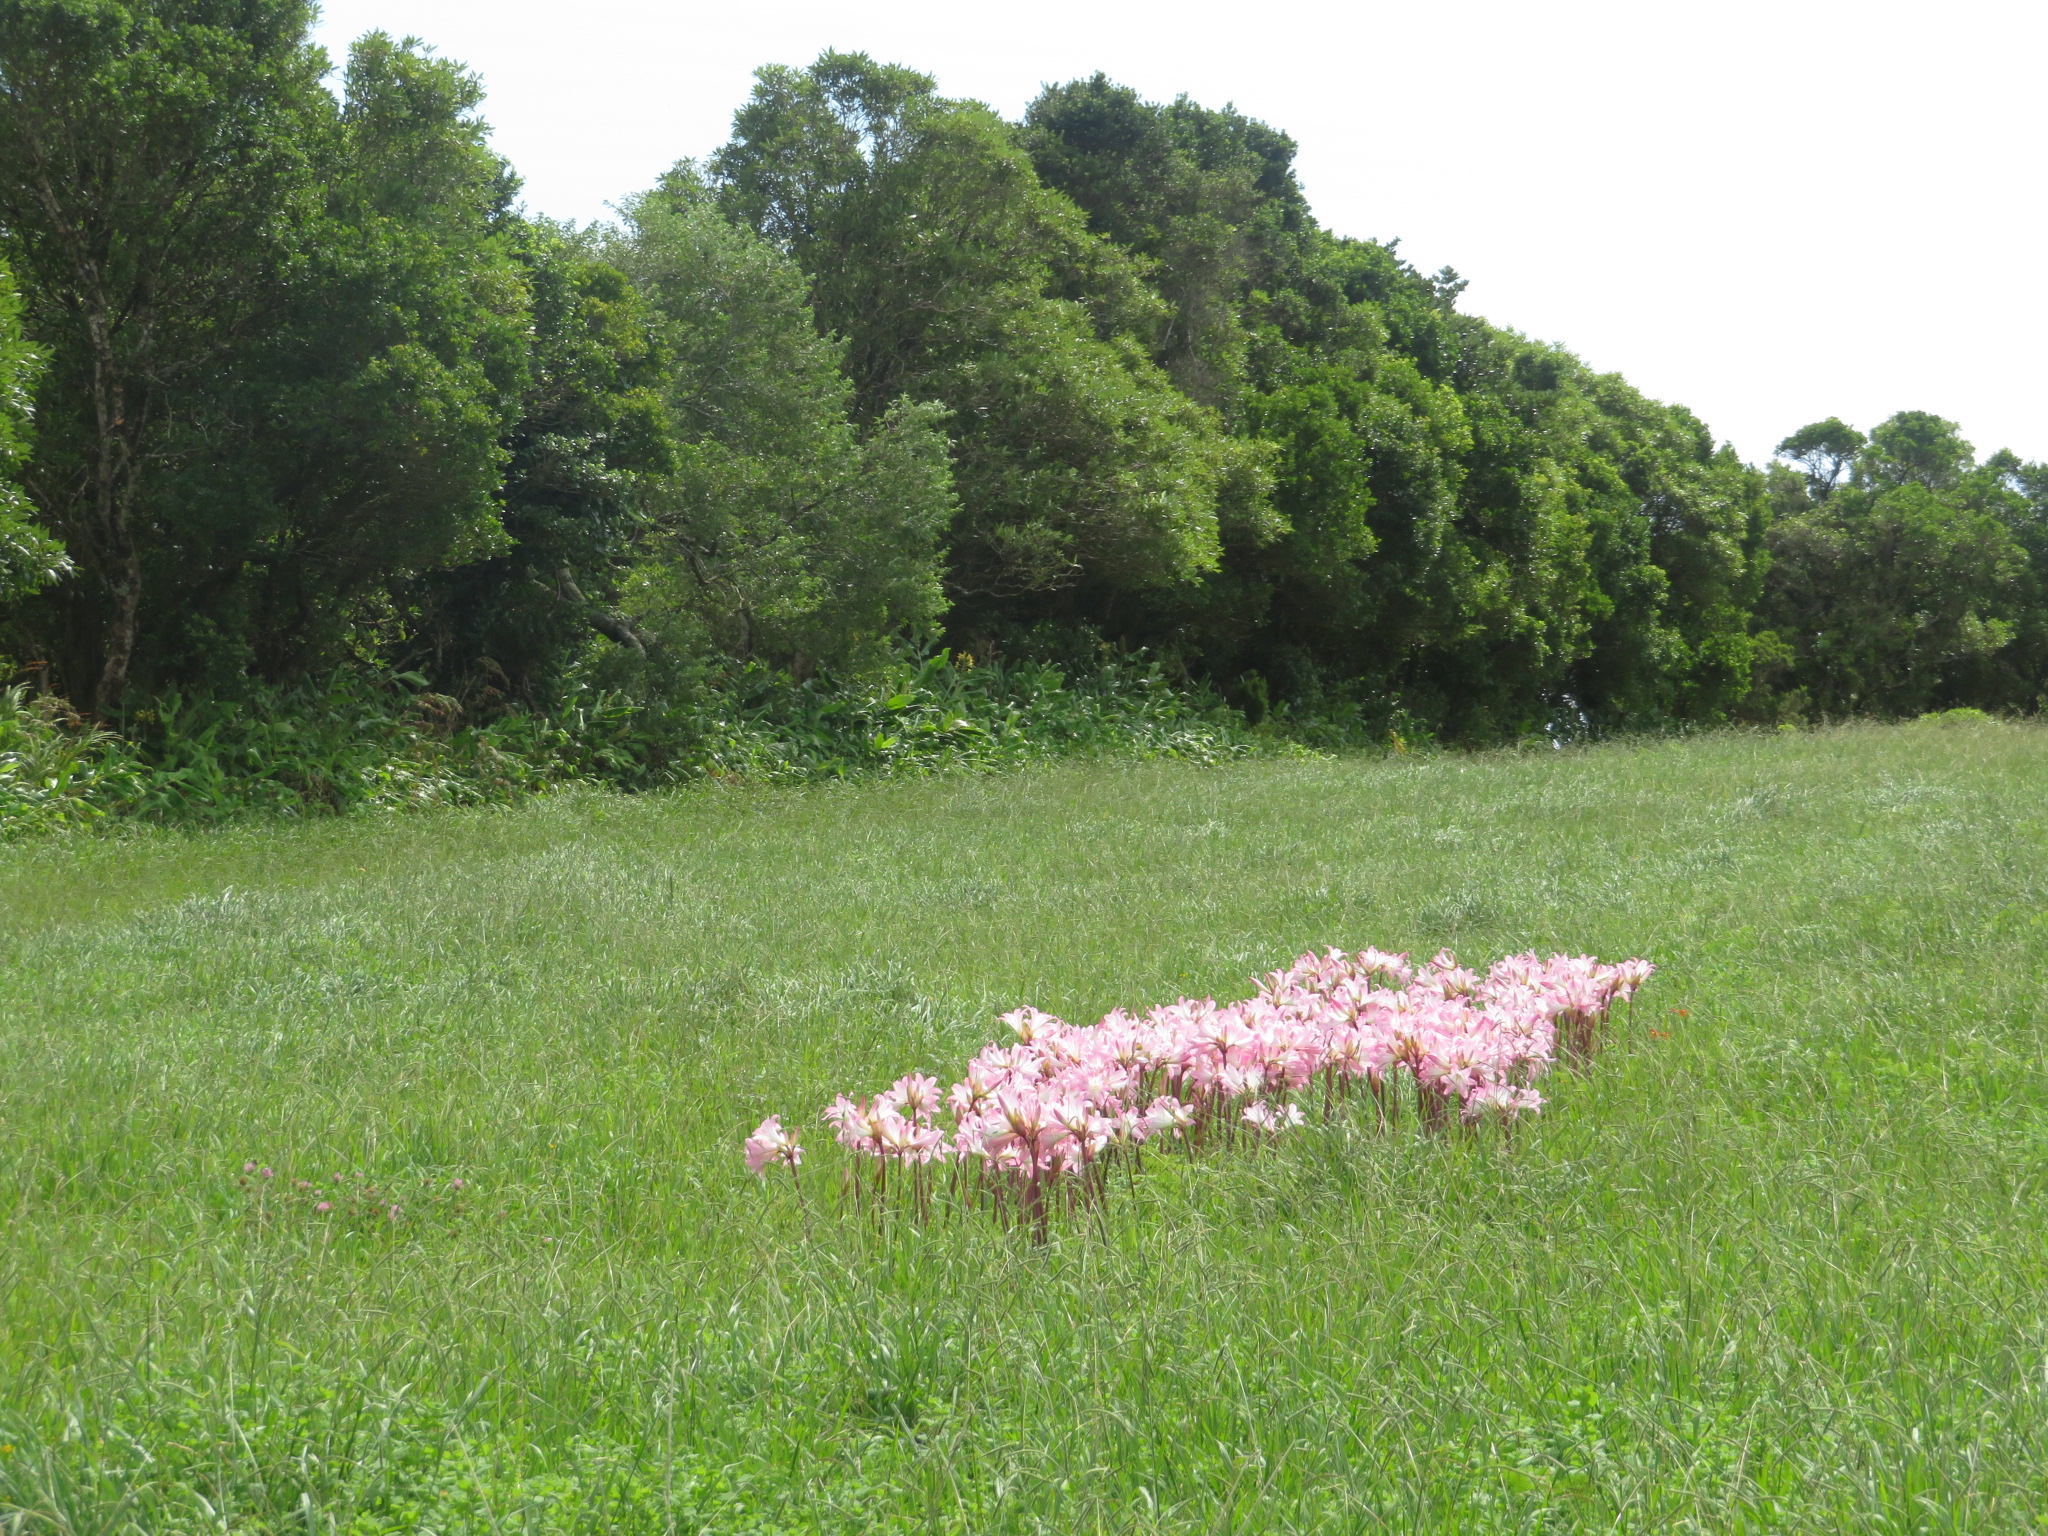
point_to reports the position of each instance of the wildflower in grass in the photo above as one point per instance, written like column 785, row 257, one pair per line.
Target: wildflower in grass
column 769, row 1144
column 1037, row 1122
column 1389, row 970
column 972, row 1093
column 1500, row 1100
column 857, row 1123
column 908, row 1141
column 915, row 1097
column 352, row 1205
column 1020, row 1131
column 1030, row 1025
column 1629, row 977
column 1168, row 1116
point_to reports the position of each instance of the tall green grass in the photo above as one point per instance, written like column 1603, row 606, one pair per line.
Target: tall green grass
column 1778, row 1262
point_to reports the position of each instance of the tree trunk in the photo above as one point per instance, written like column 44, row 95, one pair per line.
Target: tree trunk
column 119, row 561
column 124, row 584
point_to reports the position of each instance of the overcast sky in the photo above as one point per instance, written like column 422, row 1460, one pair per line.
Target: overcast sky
column 1771, row 211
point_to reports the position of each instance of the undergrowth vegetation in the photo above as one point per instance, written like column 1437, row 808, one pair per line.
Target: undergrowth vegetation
column 392, row 743
column 1776, row 1265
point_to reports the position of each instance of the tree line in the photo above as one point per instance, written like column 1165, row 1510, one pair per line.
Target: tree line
column 290, row 382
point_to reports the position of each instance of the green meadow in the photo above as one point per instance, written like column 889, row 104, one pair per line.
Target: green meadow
column 1777, row 1262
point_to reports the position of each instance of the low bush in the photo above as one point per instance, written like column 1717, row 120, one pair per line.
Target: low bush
column 56, row 770
column 391, row 742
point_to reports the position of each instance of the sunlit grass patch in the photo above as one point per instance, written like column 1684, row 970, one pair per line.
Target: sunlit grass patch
column 1776, row 1264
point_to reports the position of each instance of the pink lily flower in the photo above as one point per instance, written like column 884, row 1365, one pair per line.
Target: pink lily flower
column 771, row 1144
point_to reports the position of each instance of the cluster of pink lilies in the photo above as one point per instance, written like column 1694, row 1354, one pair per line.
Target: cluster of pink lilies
column 1038, row 1122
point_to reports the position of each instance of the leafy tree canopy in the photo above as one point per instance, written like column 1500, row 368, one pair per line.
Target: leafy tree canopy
column 153, row 158
column 788, row 527
column 1905, row 589
column 1825, row 450
column 29, row 558
column 309, row 390
column 956, row 278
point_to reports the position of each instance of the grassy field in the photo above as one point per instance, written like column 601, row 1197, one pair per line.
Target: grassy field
column 1779, row 1262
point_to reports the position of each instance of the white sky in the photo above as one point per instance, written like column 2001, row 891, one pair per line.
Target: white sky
column 1770, row 210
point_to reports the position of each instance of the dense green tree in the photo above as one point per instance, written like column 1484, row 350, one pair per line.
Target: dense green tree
column 29, row 557
column 1369, row 473
column 1915, row 448
column 1543, row 546
column 369, row 418
column 151, row 154
column 1825, row 450
column 592, row 431
column 1207, row 201
column 273, row 434
column 1679, row 563
column 786, row 529
column 1480, row 529
column 955, row 277
column 1898, row 591
column 308, row 389
column 2017, row 678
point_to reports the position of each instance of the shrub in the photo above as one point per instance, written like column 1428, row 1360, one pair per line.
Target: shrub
column 56, row 770
column 357, row 741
